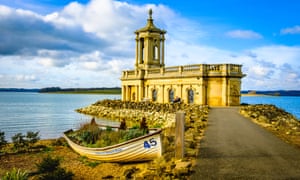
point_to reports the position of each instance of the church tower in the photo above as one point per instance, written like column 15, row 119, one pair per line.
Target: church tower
column 149, row 46
column 150, row 80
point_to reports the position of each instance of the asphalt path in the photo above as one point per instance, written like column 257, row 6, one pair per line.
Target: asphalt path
column 235, row 148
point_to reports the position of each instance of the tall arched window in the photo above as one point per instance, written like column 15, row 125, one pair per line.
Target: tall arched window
column 154, row 95
column 143, row 51
column 171, row 95
column 190, row 96
column 155, row 53
column 155, row 50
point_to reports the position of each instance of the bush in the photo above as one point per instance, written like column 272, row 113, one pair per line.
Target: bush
column 49, row 170
column 134, row 133
column 3, row 142
column 48, row 165
column 22, row 142
column 58, row 174
column 15, row 174
column 19, row 141
column 32, row 137
column 89, row 133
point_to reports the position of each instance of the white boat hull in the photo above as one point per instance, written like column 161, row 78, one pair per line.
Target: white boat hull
column 144, row 148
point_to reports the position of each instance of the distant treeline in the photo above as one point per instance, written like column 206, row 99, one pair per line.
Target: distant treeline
column 274, row 93
column 18, row 90
column 103, row 90
column 117, row 90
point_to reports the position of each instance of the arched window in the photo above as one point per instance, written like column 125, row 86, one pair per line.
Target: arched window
column 190, row 96
column 143, row 51
column 155, row 53
column 155, row 50
column 154, row 95
column 171, row 95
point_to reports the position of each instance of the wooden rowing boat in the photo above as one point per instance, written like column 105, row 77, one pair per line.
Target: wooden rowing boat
column 143, row 148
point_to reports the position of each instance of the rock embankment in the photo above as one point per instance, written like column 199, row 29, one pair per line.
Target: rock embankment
column 162, row 116
column 280, row 122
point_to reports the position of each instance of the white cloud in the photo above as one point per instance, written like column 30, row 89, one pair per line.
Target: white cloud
column 260, row 72
column 291, row 30
column 243, row 34
column 23, row 77
column 4, row 10
column 88, row 45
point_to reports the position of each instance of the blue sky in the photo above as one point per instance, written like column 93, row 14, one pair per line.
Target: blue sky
column 87, row 43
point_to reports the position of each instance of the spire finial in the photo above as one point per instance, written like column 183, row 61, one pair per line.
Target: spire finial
column 150, row 13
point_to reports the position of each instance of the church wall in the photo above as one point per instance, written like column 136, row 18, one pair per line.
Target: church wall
column 205, row 84
column 214, row 92
column 234, row 91
column 180, row 87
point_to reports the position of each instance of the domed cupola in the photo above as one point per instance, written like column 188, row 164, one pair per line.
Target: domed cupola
column 150, row 46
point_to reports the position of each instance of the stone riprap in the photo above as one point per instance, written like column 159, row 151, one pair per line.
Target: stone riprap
column 162, row 116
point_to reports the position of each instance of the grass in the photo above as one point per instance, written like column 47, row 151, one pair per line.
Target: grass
column 90, row 135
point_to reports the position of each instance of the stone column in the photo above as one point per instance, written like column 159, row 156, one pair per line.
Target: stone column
column 179, row 91
column 136, row 51
column 140, row 91
column 136, row 93
column 123, row 93
column 163, row 93
column 128, row 93
column 224, row 91
column 163, row 51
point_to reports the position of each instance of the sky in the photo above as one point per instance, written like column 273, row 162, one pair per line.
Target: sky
column 87, row 43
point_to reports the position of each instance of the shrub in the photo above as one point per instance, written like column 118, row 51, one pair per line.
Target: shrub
column 48, row 164
column 134, row 133
column 3, row 142
column 22, row 142
column 89, row 133
column 49, row 170
column 19, row 141
column 32, row 137
column 15, row 174
column 58, row 174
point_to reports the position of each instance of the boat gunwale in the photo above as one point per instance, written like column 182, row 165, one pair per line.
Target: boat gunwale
column 113, row 146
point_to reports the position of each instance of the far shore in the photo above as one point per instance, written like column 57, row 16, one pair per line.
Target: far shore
column 255, row 95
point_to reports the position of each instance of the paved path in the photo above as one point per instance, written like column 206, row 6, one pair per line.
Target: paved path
column 236, row 148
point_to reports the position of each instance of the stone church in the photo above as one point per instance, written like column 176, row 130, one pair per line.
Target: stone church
column 204, row 84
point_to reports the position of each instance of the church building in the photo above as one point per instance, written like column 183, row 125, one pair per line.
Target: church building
column 204, row 84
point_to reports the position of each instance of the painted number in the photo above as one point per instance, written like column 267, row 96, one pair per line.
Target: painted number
column 151, row 142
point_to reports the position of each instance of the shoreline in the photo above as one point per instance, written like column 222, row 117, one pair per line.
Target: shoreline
column 162, row 115
column 256, row 95
column 196, row 122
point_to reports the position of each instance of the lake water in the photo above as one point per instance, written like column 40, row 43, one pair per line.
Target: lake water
column 52, row 114
column 290, row 104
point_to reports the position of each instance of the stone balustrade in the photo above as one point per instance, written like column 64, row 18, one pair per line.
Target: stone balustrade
column 202, row 70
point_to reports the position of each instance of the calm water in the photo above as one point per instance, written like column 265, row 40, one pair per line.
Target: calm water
column 290, row 104
column 50, row 114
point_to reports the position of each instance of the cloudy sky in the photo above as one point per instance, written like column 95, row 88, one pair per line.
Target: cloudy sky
column 87, row 43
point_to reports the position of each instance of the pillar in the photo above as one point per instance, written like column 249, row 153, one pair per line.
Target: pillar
column 163, row 51
column 136, row 52
column 123, row 93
